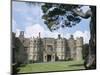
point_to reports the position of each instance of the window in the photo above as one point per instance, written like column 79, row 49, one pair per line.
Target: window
column 49, row 47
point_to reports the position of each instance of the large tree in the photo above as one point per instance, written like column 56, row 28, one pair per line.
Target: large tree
column 62, row 15
column 59, row 15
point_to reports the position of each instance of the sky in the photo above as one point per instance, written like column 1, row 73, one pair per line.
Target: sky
column 27, row 18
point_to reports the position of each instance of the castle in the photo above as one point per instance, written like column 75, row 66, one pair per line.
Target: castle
column 30, row 50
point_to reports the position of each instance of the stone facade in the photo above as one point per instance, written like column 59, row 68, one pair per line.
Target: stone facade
column 48, row 49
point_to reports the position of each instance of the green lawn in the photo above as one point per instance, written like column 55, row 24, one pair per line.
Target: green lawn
column 52, row 66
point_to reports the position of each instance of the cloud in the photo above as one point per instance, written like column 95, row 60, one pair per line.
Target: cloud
column 29, row 18
column 78, row 34
column 14, row 25
column 14, row 28
column 17, row 32
column 67, row 35
column 85, row 8
column 51, row 34
column 33, row 31
column 85, row 35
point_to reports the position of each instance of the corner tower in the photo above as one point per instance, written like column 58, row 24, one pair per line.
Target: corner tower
column 61, row 48
column 79, row 47
column 72, row 48
column 21, row 36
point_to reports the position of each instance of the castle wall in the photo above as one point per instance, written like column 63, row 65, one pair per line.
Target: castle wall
column 31, row 49
column 48, row 49
column 21, row 52
column 72, row 48
column 14, row 53
column 79, row 48
column 61, row 49
column 21, row 55
column 68, row 55
column 36, row 53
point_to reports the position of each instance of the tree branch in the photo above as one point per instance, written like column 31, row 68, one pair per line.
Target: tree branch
column 81, row 14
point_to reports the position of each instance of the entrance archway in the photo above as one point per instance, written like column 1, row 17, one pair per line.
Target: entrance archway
column 48, row 57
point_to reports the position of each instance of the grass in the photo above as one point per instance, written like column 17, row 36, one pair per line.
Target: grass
column 52, row 66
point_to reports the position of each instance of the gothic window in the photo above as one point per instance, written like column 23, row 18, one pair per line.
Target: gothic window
column 49, row 47
column 45, row 57
column 34, row 41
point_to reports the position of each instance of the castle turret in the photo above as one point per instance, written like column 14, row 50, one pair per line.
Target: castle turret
column 61, row 48
column 36, row 53
column 39, row 34
column 71, row 37
column 79, row 47
column 31, row 50
column 71, row 45
column 59, row 36
column 21, row 36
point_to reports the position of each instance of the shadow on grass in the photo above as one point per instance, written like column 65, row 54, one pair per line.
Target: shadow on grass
column 15, row 71
column 15, row 68
column 77, row 65
column 22, row 65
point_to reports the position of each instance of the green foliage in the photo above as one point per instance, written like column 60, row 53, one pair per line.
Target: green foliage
column 55, row 13
column 46, row 7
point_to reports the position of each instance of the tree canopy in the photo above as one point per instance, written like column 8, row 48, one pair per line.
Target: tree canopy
column 59, row 15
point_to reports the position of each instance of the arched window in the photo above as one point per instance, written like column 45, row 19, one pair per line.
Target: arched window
column 49, row 48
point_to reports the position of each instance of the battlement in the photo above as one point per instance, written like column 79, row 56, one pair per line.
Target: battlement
column 45, row 49
column 79, row 41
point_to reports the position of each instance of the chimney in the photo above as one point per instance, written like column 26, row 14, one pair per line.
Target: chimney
column 21, row 34
column 59, row 36
column 71, row 36
column 39, row 34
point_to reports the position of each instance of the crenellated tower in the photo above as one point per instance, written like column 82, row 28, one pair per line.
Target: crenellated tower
column 36, row 53
column 72, row 48
column 79, row 47
column 21, row 36
column 31, row 49
column 61, row 48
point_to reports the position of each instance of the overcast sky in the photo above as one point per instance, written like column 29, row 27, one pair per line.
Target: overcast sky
column 27, row 18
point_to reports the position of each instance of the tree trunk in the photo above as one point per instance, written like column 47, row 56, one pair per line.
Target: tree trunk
column 90, row 62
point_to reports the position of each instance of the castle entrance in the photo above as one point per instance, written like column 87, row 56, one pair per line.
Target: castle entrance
column 48, row 57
